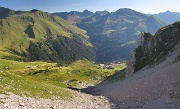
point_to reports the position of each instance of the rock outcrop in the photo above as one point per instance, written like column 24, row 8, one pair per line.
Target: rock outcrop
column 153, row 48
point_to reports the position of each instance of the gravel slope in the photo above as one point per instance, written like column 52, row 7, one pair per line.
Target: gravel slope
column 150, row 88
column 80, row 101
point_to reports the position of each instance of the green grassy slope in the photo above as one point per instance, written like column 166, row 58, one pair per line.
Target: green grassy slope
column 48, row 80
column 23, row 32
column 13, row 79
column 38, row 36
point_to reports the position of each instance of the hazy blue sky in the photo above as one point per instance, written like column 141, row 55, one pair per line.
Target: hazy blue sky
column 145, row 6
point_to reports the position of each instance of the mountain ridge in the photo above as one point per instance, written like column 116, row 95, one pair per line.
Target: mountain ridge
column 73, row 15
column 168, row 16
column 114, row 34
column 36, row 35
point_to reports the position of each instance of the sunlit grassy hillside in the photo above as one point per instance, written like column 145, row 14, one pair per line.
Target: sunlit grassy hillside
column 48, row 80
column 49, row 37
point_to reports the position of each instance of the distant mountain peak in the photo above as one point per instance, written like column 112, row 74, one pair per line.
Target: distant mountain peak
column 3, row 8
column 4, row 12
column 125, row 10
column 168, row 11
column 74, row 15
column 87, row 11
column 168, row 16
column 101, row 13
column 36, row 11
column 128, row 12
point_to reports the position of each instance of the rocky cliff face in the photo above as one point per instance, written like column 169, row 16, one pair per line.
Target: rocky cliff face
column 153, row 48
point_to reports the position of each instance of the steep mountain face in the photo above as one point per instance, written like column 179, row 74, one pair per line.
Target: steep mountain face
column 114, row 34
column 153, row 48
column 36, row 35
column 153, row 23
column 169, row 17
column 74, row 15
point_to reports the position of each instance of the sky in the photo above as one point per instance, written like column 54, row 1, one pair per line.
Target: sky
column 143, row 6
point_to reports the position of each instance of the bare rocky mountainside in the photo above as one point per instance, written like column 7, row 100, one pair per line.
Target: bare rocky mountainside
column 152, row 49
column 152, row 76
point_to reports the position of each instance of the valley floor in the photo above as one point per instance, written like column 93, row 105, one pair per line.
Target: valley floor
column 155, row 87
column 150, row 88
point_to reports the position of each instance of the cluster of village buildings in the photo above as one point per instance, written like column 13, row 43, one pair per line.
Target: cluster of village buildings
column 109, row 65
